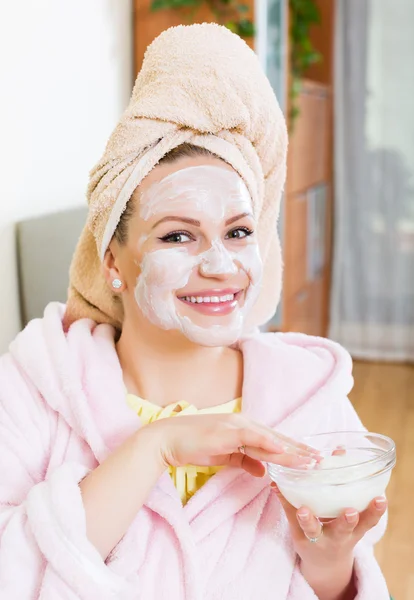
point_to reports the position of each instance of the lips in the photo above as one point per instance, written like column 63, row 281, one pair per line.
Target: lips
column 213, row 302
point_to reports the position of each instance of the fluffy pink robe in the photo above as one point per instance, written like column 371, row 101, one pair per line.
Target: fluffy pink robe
column 63, row 410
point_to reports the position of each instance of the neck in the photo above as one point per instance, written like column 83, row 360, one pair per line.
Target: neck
column 164, row 367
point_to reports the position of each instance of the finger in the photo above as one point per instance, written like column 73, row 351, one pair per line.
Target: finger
column 294, row 461
column 285, row 442
column 371, row 516
column 309, row 524
column 297, row 450
column 293, row 446
column 258, row 445
column 257, row 440
column 287, row 445
column 345, row 524
column 235, row 440
column 252, row 466
column 339, row 451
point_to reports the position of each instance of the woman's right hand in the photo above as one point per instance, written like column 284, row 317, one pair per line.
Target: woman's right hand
column 110, row 493
column 226, row 439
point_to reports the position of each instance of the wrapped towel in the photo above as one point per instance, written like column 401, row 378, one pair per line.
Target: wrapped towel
column 199, row 84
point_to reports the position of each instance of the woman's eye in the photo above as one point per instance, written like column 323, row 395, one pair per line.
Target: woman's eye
column 177, row 237
column 239, row 233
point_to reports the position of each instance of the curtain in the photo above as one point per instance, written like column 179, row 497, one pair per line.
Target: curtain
column 372, row 307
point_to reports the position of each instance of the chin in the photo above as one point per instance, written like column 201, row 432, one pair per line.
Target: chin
column 213, row 337
column 213, row 332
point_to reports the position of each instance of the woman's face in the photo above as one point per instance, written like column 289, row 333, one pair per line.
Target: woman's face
column 192, row 262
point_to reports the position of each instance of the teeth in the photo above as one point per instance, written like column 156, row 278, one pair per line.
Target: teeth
column 209, row 299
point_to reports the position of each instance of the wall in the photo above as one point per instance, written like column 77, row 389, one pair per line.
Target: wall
column 66, row 77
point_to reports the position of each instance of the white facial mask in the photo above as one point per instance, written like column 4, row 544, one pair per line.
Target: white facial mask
column 217, row 260
column 213, row 191
column 165, row 271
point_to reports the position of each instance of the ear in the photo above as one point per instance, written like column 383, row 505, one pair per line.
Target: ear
column 111, row 270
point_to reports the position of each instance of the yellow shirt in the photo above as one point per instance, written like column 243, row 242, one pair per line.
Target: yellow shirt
column 190, row 478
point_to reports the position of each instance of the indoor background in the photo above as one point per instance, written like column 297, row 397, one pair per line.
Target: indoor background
column 343, row 72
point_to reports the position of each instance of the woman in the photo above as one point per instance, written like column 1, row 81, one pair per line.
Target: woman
column 155, row 364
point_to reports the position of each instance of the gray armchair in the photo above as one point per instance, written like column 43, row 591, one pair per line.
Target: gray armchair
column 45, row 246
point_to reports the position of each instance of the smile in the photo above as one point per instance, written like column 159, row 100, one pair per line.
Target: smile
column 208, row 299
column 213, row 302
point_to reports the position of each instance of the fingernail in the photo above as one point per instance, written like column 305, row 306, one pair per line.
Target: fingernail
column 304, row 460
column 303, row 517
column 380, row 503
column 309, row 463
column 351, row 516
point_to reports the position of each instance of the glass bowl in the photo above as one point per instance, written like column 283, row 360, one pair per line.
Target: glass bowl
column 356, row 468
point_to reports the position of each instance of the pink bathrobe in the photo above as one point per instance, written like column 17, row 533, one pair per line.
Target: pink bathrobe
column 63, row 410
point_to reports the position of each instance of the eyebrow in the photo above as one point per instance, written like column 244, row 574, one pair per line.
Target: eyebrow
column 197, row 223
column 238, row 217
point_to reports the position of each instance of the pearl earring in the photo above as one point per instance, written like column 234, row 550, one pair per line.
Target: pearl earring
column 116, row 284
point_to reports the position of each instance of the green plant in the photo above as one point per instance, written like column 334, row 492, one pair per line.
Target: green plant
column 303, row 14
column 231, row 13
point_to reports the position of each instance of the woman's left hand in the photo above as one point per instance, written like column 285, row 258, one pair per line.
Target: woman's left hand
column 336, row 538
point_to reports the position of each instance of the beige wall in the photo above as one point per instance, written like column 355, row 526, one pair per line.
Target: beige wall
column 66, row 77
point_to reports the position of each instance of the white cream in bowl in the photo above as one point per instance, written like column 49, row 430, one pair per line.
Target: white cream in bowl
column 350, row 480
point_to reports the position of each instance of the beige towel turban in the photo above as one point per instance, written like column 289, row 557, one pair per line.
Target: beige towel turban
column 203, row 85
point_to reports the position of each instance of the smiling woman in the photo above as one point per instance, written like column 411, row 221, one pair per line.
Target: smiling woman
column 148, row 406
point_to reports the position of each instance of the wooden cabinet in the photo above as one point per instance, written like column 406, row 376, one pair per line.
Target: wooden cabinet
column 304, row 309
column 295, row 243
column 307, row 215
column 308, row 148
column 308, row 207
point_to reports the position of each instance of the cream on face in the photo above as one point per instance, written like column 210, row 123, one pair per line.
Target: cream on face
column 213, row 191
column 213, row 194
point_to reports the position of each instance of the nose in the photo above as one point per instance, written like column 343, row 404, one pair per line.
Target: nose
column 217, row 262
